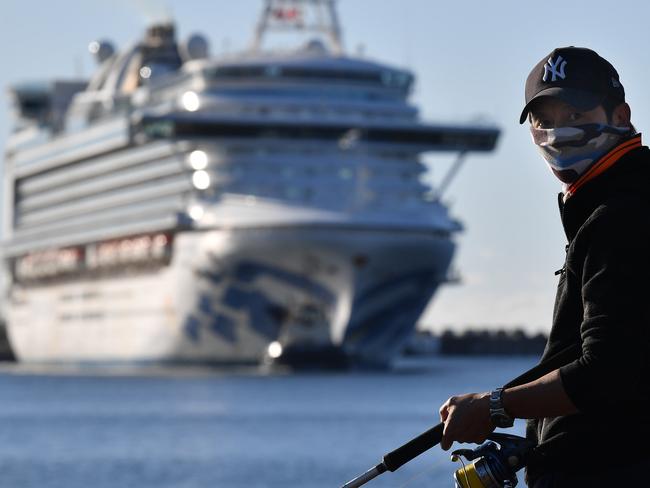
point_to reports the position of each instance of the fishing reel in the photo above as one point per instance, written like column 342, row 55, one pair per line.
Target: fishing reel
column 496, row 462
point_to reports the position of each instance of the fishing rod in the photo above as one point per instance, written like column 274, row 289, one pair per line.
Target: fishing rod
column 400, row 456
column 496, row 460
column 495, row 465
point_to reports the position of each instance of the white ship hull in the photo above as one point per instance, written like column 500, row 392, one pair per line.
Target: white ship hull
column 227, row 294
column 178, row 207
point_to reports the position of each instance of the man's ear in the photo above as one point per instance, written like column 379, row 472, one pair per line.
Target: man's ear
column 622, row 115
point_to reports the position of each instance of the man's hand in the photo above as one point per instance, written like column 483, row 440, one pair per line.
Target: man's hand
column 466, row 418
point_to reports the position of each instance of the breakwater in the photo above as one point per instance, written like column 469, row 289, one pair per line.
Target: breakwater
column 476, row 342
column 473, row 342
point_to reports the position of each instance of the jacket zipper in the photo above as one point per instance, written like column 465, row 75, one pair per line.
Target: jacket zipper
column 562, row 270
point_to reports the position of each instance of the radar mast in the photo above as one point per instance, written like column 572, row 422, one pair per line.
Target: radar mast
column 300, row 15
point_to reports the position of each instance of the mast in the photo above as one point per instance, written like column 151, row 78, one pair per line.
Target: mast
column 318, row 16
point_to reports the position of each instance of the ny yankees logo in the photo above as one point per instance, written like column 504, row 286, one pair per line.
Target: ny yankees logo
column 552, row 67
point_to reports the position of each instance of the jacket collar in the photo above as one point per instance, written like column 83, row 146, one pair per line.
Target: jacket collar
column 630, row 173
column 604, row 163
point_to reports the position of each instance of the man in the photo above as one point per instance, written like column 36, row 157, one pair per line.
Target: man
column 589, row 414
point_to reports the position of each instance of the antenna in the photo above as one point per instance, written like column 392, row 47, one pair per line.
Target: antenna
column 300, row 15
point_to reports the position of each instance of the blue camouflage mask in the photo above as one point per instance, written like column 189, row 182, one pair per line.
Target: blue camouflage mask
column 570, row 151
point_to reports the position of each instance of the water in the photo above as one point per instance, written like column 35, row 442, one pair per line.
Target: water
column 207, row 429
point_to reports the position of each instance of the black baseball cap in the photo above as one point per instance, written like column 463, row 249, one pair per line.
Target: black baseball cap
column 575, row 75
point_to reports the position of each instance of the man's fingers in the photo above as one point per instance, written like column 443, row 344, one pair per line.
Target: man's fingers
column 444, row 413
column 445, row 442
column 464, row 419
column 444, row 410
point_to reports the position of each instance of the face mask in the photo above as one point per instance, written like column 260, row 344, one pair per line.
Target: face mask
column 570, row 151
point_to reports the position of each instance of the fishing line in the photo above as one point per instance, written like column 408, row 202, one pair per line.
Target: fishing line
column 423, row 472
column 459, row 458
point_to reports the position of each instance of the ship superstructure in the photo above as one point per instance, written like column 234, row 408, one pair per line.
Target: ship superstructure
column 178, row 207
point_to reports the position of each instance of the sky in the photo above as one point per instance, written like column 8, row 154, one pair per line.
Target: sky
column 471, row 60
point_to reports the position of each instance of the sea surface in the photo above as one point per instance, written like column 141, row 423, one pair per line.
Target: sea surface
column 202, row 428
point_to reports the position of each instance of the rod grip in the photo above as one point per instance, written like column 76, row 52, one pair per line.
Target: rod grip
column 413, row 448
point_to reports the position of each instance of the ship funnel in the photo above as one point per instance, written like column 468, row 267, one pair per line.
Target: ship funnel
column 159, row 35
column 159, row 52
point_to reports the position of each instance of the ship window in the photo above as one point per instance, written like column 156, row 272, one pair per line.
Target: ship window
column 320, row 92
column 302, row 73
column 395, row 78
column 159, row 128
column 430, row 136
column 157, row 69
column 31, row 107
column 273, row 71
column 323, row 74
column 237, row 72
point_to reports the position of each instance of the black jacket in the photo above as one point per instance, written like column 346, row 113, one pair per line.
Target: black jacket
column 602, row 308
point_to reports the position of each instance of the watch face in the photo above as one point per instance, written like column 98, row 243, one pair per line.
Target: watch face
column 498, row 415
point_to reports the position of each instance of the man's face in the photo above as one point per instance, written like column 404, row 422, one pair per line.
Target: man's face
column 550, row 113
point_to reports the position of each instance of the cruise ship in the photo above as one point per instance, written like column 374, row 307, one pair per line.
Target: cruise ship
column 183, row 208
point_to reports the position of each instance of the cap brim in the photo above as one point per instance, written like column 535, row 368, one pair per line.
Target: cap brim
column 580, row 99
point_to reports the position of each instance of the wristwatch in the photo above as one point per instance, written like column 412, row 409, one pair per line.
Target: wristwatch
column 498, row 414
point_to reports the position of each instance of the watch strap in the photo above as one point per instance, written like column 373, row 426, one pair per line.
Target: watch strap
column 498, row 414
